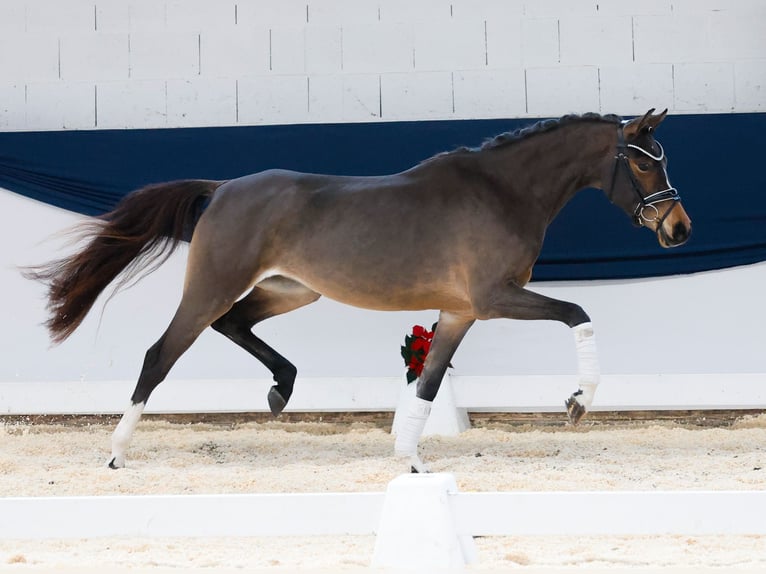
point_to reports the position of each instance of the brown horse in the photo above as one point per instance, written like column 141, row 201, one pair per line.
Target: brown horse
column 271, row 242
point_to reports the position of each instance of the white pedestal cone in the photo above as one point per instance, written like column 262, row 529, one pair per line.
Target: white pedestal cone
column 445, row 419
column 418, row 528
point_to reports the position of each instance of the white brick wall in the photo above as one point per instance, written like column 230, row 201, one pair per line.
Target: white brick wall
column 166, row 63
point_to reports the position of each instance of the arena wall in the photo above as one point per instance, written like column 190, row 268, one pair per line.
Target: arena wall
column 144, row 64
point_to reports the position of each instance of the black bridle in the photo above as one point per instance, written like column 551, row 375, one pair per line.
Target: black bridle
column 644, row 201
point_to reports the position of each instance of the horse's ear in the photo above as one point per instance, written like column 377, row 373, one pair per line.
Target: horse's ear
column 643, row 125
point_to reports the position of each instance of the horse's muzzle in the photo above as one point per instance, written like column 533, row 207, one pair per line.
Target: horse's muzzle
column 678, row 235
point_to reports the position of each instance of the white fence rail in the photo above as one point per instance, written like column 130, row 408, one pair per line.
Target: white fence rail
column 475, row 514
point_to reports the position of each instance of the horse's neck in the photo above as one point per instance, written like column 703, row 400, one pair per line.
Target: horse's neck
column 554, row 166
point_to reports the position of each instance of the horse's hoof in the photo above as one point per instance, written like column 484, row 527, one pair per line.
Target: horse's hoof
column 116, row 462
column 575, row 410
column 277, row 402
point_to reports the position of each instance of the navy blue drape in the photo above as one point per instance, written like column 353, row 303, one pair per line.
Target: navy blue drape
column 714, row 162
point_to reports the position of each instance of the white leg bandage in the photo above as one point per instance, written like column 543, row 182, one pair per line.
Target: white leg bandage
column 124, row 433
column 587, row 362
column 409, row 431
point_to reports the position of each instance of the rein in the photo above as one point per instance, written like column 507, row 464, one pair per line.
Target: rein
column 648, row 201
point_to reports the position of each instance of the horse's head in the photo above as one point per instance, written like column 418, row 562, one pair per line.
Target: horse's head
column 639, row 182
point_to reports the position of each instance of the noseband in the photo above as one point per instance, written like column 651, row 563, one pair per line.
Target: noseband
column 648, row 201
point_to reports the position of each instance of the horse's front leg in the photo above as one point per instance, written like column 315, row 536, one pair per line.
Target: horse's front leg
column 449, row 332
column 514, row 302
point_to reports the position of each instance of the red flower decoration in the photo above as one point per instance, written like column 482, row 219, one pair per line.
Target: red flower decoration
column 415, row 350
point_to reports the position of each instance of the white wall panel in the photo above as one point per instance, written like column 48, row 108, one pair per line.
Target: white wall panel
column 540, row 42
column 750, row 85
column 132, row 104
column 288, row 50
column 596, row 40
column 12, row 103
column 273, row 99
column 545, row 87
column 737, row 36
column 560, row 8
column 415, row 12
column 271, row 13
column 490, row 10
column 236, row 53
column 705, row 87
column 623, row 8
column 490, row 93
column 450, row 45
column 29, row 57
column 60, row 105
column 198, row 15
column 417, row 95
column 349, row 97
column 323, row 46
column 201, row 102
column 95, row 57
column 380, row 47
column 164, row 55
column 504, row 42
column 634, row 88
column 669, row 39
column 13, row 17
column 58, row 17
column 343, row 12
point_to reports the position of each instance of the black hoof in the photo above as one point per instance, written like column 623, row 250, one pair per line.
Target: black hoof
column 112, row 464
column 277, row 402
column 575, row 410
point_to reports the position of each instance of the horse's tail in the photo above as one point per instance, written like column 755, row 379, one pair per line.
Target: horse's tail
column 138, row 235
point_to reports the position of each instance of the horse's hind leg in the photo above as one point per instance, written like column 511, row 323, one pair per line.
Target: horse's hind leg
column 272, row 297
column 198, row 308
column 449, row 333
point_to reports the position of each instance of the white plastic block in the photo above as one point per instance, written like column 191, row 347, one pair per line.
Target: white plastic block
column 490, row 93
column 323, row 49
column 414, row 12
column 288, row 50
column 546, row 85
column 671, row 39
column 147, row 16
column 347, row 97
column 12, row 102
column 164, row 55
column 377, row 48
column 504, row 42
column 450, row 45
column 201, row 102
column 418, row 95
column 596, row 40
column 235, row 53
column 57, row 17
column 256, row 13
column 633, row 89
column 94, row 57
column 131, row 104
column 60, row 105
column 704, row 87
column 540, row 42
column 750, row 85
column 32, row 57
column 732, row 6
column 273, row 100
column 418, row 527
column 343, row 12
column 560, row 8
column 199, row 15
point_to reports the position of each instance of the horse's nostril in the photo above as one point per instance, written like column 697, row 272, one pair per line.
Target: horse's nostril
column 680, row 232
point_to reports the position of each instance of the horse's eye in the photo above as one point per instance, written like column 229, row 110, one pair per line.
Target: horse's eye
column 644, row 166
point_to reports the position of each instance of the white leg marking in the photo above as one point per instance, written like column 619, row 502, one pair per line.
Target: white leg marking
column 123, row 433
column 587, row 363
column 409, row 431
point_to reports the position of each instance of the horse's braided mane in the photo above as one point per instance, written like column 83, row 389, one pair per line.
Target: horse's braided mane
column 543, row 126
